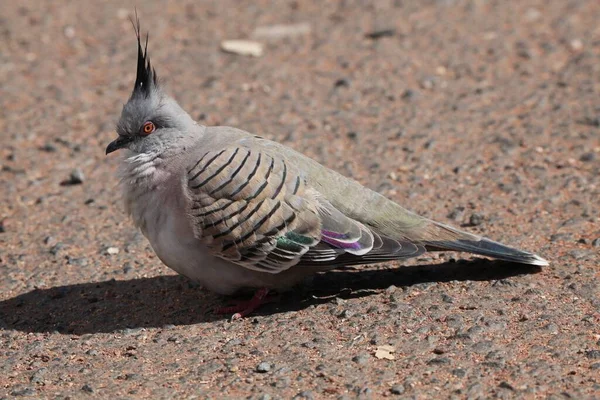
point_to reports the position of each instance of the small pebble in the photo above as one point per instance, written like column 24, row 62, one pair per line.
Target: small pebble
column 79, row 261
column 361, row 359
column 263, row 367
column 57, row 248
column 283, row 382
column 69, row 32
column 380, row 33
column 579, row 254
column 367, row 391
column 576, row 44
column 397, row 389
column 483, row 346
column 127, row 267
column 409, row 95
column 447, row 299
column 427, row 84
column 25, row 392
column 596, row 242
column 551, row 328
column 456, row 214
column 475, row 219
column 87, row 388
column 475, row 390
column 305, row 394
column 591, row 121
column 506, row 385
column 76, row 177
column 557, row 237
column 49, row 147
column 38, row 376
column 242, row 47
column 438, row 361
column 593, row 354
column 587, row 157
column 111, row 251
column 342, row 82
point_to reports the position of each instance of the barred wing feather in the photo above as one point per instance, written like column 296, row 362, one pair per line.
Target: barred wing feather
column 255, row 210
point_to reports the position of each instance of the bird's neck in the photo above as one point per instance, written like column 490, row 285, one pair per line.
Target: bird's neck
column 145, row 184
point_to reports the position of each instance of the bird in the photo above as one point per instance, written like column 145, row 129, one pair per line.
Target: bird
column 234, row 211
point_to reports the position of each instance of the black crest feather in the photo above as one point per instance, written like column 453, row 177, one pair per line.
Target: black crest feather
column 146, row 78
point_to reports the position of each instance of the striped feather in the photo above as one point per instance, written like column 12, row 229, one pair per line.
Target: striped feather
column 253, row 209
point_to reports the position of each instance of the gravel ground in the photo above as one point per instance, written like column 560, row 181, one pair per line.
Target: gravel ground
column 482, row 114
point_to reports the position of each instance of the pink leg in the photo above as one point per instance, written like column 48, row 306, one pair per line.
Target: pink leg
column 243, row 308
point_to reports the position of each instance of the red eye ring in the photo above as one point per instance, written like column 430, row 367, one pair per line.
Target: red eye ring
column 148, row 128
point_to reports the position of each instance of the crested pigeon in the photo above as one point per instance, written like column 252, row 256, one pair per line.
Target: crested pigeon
column 232, row 210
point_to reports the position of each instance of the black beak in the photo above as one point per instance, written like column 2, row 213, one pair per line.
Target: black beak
column 119, row 143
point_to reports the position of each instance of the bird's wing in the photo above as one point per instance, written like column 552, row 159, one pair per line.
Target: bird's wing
column 254, row 209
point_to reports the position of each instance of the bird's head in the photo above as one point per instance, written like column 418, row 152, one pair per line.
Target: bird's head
column 151, row 121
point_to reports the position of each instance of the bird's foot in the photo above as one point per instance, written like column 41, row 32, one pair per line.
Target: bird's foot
column 246, row 307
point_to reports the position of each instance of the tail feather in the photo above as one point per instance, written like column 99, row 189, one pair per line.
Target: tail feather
column 489, row 248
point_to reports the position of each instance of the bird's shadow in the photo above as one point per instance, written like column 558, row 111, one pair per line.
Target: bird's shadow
column 173, row 300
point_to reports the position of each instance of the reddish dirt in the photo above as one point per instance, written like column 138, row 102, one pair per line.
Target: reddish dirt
column 477, row 113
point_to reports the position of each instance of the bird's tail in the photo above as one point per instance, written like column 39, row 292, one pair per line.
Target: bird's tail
column 489, row 248
column 479, row 245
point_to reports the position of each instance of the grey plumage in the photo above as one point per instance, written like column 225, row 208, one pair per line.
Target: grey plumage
column 233, row 210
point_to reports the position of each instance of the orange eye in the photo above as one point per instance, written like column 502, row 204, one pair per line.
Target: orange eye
column 148, row 128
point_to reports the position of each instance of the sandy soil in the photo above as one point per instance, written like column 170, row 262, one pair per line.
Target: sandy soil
column 484, row 114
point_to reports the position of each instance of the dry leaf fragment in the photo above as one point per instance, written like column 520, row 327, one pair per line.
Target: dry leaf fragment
column 385, row 352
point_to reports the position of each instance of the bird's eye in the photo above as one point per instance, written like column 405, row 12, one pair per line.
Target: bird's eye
column 148, row 128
